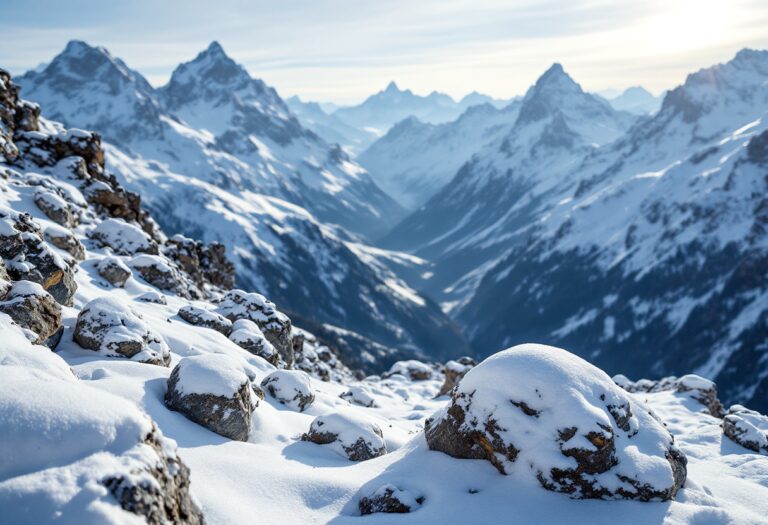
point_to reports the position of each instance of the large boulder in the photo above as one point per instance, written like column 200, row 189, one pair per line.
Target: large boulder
column 247, row 335
column 550, row 413
column 390, row 499
column 276, row 326
column 214, row 391
column 107, row 325
column 746, row 427
column 34, row 309
column 201, row 317
column 353, row 437
column 290, row 388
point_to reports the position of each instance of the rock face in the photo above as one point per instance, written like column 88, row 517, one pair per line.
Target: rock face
column 34, row 309
column 202, row 317
column 167, row 500
column 390, row 499
column 353, row 437
column 290, row 387
column 542, row 408
column 114, row 270
column 275, row 325
column 699, row 389
column 454, row 370
column 213, row 391
column 107, row 325
column 412, row 369
column 746, row 427
column 247, row 334
column 204, row 264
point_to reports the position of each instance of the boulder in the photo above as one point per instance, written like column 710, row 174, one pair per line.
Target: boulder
column 746, row 427
column 390, row 499
column 290, row 388
column 214, row 391
column 63, row 239
column 107, row 325
column 204, row 264
column 696, row 387
column 564, row 421
column 453, row 371
column 412, row 369
column 33, row 308
column 359, row 395
column 114, row 270
column 152, row 297
column 124, row 238
column 276, row 326
column 353, row 437
column 157, row 271
column 247, row 335
column 201, row 317
column 318, row 360
column 54, row 207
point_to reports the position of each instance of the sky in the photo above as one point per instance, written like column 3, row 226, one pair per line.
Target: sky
column 344, row 50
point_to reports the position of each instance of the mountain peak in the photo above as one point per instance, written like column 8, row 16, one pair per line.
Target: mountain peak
column 392, row 87
column 556, row 78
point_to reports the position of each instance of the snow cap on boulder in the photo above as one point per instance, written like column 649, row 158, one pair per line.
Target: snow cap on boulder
column 412, row 369
column 290, row 388
column 124, row 238
column 544, row 410
column 354, row 437
column 746, row 427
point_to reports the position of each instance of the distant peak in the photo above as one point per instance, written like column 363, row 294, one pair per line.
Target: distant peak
column 76, row 46
column 214, row 48
column 392, row 87
column 555, row 79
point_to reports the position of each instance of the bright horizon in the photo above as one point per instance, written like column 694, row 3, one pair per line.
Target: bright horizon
column 341, row 51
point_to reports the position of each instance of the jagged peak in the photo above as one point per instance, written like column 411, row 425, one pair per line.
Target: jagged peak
column 556, row 78
column 392, row 87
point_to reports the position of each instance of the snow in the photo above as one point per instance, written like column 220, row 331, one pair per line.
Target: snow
column 215, row 374
column 123, row 237
column 291, row 388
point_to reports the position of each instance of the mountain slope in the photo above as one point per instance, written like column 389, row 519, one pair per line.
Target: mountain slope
column 654, row 260
column 478, row 215
column 636, row 100
column 237, row 178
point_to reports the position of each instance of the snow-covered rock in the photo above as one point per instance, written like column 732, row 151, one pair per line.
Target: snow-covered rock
column 114, row 270
column 247, row 334
column 698, row 388
column 54, row 207
column 31, row 307
column 746, row 427
column 64, row 239
column 291, row 388
column 160, row 273
column 214, row 391
column 453, row 371
column 354, row 437
column 107, row 325
column 390, row 499
column 359, row 395
column 124, row 238
column 412, row 369
column 545, row 410
column 201, row 317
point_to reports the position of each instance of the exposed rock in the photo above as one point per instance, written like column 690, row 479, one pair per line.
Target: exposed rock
column 275, row 325
column 107, row 325
column 114, row 270
column 746, row 427
column 167, row 499
column 290, row 387
column 316, row 359
column 388, row 498
column 454, row 370
column 248, row 335
column 34, row 309
column 353, row 437
column 213, row 391
column 157, row 271
column 549, row 411
column 412, row 369
column 152, row 297
column 63, row 239
column 699, row 389
column 54, row 207
column 202, row 317
column 204, row 264
column 124, row 238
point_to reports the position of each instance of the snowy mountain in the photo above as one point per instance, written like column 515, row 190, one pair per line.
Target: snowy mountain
column 414, row 159
column 479, row 214
column 217, row 155
column 651, row 259
column 636, row 100
column 330, row 127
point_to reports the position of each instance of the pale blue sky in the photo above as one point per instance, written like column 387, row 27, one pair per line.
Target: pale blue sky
column 343, row 50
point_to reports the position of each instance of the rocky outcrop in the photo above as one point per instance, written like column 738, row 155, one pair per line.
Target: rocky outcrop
column 114, row 270
column 165, row 500
column 63, row 239
column 201, row 317
column 276, row 326
column 124, row 238
column 34, row 309
column 213, row 391
column 247, row 335
column 160, row 273
column 204, row 264
column 55, row 208
column 317, row 359
column 355, row 438
column 107, row 325
column 453, row 371
column 390, row 499
column 746, row 427
column 699, row 389
column 532, row 404
column 290, row 388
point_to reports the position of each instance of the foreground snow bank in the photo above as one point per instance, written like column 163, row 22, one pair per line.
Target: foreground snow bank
column 543, row 409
